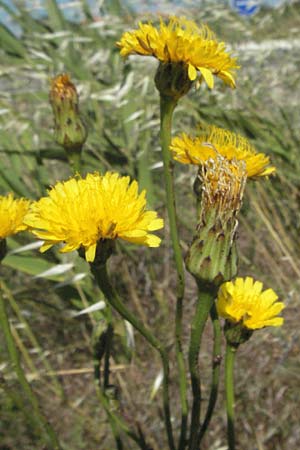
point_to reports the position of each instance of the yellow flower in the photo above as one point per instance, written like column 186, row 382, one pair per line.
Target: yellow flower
column 244, row 301
column 182, row 41
column 212, row 141
column 12, row 213
column 80, row 212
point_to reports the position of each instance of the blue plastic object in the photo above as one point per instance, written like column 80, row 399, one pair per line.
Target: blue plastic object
column 245, row 7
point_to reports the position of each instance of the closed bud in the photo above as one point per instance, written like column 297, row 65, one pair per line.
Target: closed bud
column 212, row 257
column 172, row 80
column 236, row 333
column 69, row 129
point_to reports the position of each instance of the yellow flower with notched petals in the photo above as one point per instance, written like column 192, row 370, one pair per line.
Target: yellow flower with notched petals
column 182, row 41
column 12, row 212
column 244, row 301
column 212, row 141
column 80, row 212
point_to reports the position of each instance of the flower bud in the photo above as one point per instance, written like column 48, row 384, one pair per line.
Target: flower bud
column 69, row 129
column 172, row 80
column 212, row 257
column 236, row 333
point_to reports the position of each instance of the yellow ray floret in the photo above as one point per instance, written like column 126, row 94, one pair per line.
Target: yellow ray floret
column 80, row 212
column 12, row 213
column 244, row 301
column 182, row 41
column 61, row 85
column 211, row 141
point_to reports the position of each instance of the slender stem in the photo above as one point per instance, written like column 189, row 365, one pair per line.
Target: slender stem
column 204, row 304
column 108, row 344
column 182, row 372
column 40, row 420
column 167, row 107
column 216, row 362
column 116, row 432
column 229, row 386
column 101, row 276
column 74, row 158
column 105, row 404
column 118, row 439
column 115, row 421
column 100, row 348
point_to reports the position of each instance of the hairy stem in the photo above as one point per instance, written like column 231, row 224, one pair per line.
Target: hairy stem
column 229, row 387
column 204, row 304
column 167, row 106
column 216, row 362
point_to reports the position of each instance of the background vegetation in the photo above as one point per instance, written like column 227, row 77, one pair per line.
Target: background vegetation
column 120, row 106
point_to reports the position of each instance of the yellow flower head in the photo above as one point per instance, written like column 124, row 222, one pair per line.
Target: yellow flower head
column 244, row 301
column 12, row 213
column 212, row 141
column 182, row 41
column 80, row 212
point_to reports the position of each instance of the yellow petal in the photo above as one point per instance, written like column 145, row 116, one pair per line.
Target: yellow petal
column 45, row 247
column 192, row 72
column 208, row 77
column 268, row 171
column 228, row 78
column 90, row 253
column 156, row 224
column 153, row 241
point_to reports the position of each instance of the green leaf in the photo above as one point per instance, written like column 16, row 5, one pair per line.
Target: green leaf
column 56, row 17
column 31, row 265
column 10, row 43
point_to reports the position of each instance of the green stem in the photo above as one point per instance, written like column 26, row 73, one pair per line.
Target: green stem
column 216, row 362
column 115, row 421
column 182, row 375
column 74, row 158
column 116, row 432
column 100, row 344
column 167, row 107
column 110, row 415
column 229, row 386
column 204, row 304
column 109, row 338
column 14, row 356
column 101, row 276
